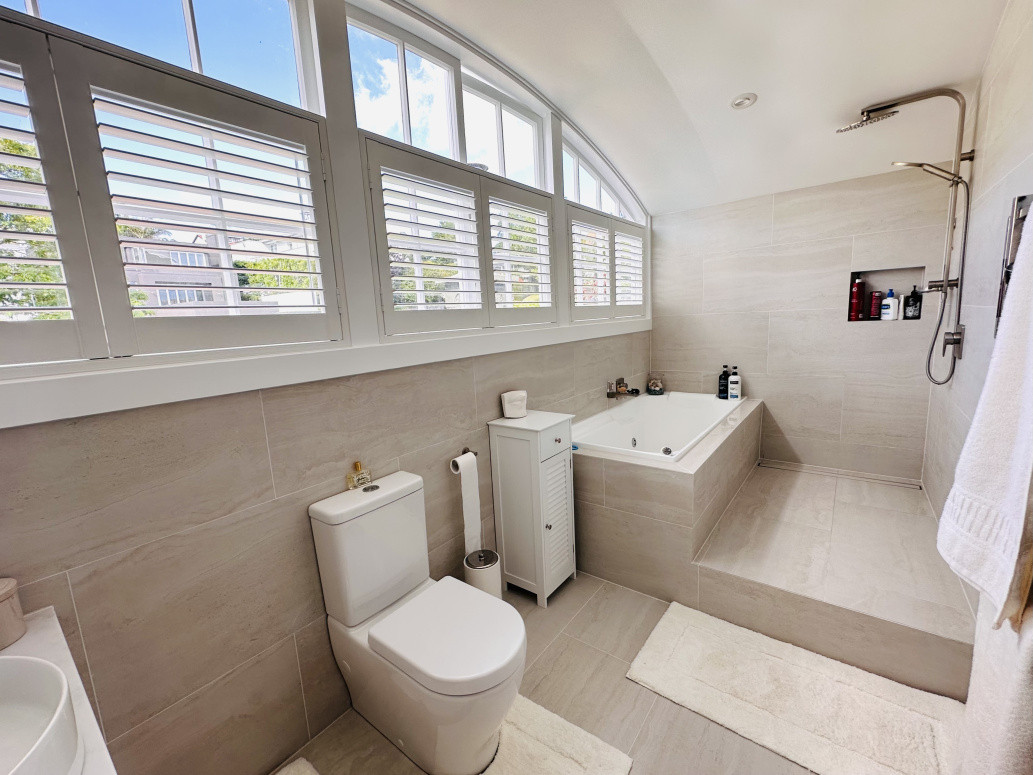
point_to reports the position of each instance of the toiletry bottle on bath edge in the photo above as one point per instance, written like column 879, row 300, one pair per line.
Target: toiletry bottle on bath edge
column 735, row 384
column 722, row 383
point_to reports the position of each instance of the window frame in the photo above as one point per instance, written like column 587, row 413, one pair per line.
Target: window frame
column 79, row 70
column 612, row 224
column 406, row 41
column 504, row 102
column 604, row 181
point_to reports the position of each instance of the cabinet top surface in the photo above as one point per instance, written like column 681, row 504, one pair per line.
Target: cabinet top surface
column 535, row 421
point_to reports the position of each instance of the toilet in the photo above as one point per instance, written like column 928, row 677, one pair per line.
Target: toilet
column 433, row 665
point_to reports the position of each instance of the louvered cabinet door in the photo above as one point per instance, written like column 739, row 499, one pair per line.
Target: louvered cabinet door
column 558, row 518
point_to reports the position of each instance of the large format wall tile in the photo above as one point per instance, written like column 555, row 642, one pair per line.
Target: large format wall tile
column 77, row 490
column 162, row 620
column 245, row 723
column 886, row 412
column 809, row 406
column 326, row 695
column 717, row 229
column 805, row 275
column 647, row 555
column 318, row 429
column 901, row 199
column 546, row 373
column 702, row 343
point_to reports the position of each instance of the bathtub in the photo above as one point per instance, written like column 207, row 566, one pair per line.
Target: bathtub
column 642, row 515
column 653, row 427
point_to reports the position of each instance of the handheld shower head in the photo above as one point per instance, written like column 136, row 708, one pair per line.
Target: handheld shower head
column 866, row 119
column 932, row 169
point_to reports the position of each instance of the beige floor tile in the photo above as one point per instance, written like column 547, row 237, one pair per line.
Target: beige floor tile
column 352, row 746
column 854, row 592
column 877, row 495
column 893, row 551
column 781, row 554
column 676, row 740
column 588, row 688
column 617, row 620
column 544, row 624
column 787, row 496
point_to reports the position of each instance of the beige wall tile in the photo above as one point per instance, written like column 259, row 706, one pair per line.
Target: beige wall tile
column 582, row 406
column 1004, row 139
column 702, row 343
column 326, row 695
column 649, row 491
column 599, row 361
column 245, row 723
column 442, row 489
column 646, row 555
column 125, row 479
column 809, row 406
column 162, row 620
column 546, row 373
column 717, row 229
column 677, row 283
column 901, row 248
column 884, row 461
column 589, row 478
column 687, row 382
column 900, row 653
column 901, row 199
column 318, row 429
column 886, row 412
column 805, row 275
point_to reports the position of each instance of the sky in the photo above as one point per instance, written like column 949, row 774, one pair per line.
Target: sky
column 258, row 56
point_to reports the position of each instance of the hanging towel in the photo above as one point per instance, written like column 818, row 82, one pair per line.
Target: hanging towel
column 986, row 530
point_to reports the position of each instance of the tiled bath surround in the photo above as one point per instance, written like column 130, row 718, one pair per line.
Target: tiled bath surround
column 174, row 541
column 641, row 525
column 764, row 284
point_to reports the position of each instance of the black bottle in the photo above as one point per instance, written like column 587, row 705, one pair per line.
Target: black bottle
column 722, row 383
column 913, row 305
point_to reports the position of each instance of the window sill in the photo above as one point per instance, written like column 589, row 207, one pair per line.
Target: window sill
column 62, row 391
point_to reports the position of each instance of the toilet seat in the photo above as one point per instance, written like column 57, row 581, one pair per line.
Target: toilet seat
column 452, row 639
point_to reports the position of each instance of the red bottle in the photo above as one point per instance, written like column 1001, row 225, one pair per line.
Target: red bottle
column 875, row 307
column 857, row 300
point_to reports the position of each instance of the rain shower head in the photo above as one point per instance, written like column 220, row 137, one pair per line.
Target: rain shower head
column 866, row 120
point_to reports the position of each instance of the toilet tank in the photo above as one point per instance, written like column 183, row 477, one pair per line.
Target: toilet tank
column 371, row 544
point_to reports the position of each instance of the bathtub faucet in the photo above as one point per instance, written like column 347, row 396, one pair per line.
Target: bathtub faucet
column 619, row 389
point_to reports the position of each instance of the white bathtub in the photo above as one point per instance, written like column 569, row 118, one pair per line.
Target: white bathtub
column 648, row 425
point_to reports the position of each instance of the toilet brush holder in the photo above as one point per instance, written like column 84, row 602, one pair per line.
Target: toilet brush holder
column 483, row 570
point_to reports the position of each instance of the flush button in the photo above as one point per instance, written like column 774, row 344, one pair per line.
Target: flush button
column 371, row 488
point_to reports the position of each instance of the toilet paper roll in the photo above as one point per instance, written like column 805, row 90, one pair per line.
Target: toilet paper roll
column 466, row 466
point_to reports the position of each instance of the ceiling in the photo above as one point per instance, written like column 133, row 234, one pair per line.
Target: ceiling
column 650, row 81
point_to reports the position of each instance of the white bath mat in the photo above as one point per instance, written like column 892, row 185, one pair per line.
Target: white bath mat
column 537, row 742
column 827, row 716
column 298, row 767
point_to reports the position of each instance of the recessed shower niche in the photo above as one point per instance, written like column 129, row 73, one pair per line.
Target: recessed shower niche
column 901, row 280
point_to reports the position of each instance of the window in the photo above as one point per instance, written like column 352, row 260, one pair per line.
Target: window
column 401, row 93
column 501, row 138
column 427, row 241
column 261, row 54
column 203, row 191
column 607, row 266
column 583, row 184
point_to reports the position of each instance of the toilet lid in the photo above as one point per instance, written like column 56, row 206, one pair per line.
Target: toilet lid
column 452, row 638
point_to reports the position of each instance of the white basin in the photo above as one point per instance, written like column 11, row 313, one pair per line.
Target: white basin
column 38, row 734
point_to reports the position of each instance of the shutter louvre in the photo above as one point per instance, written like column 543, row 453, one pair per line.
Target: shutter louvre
column 521, row 256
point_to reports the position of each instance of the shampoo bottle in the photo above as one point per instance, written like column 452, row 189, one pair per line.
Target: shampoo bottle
column 722, row 383
column 890, row 306
column 913, row 305
column 857, row 300
column 735, row 384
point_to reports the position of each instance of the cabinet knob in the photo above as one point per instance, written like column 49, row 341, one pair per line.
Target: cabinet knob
column 548, row 527
column 558, row 440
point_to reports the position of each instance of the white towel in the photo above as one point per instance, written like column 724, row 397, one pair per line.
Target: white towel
column 985, row 532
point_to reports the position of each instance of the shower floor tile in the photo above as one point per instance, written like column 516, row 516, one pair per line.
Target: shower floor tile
column 856, row 544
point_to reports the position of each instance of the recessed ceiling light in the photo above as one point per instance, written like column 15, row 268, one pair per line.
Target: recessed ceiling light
column 744, row 100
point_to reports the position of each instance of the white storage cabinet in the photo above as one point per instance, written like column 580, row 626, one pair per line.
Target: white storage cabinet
column 533, row 484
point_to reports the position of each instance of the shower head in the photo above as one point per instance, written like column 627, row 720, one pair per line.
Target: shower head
column 932, row 169
column 867, row 119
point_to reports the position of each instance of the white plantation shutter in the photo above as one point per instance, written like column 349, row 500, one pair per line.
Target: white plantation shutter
column 48, row 306
column 519, row 225
column 428, row 243
column 591, row 264
column 629, row 270
column 206, row 213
